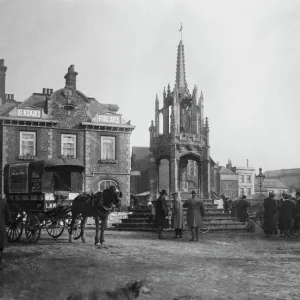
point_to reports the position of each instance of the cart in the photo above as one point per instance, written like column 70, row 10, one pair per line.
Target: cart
column 39, row 195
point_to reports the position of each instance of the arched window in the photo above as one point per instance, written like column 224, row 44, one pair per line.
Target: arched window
column 104, row 184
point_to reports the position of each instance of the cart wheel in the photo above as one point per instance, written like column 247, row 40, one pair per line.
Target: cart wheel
column 205, row 225
column 76, row 228
column 56, row 228
column 14, row 228
column 32, row 228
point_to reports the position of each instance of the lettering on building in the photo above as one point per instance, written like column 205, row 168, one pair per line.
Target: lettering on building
column 29, row 113
column 108, row 119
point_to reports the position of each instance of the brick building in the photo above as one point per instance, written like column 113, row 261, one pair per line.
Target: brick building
column 227, row 182
column 65, row 123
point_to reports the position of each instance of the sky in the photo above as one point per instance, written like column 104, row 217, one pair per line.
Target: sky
column 243, row 55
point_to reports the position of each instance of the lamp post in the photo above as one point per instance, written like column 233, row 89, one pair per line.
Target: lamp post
column 260, row 179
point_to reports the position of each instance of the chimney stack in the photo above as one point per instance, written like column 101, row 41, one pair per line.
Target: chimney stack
column 2, row 81
column 71, row 77
column 247, row 163
column 44, row 91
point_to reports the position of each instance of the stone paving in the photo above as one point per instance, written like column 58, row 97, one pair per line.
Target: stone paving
column 219, row 266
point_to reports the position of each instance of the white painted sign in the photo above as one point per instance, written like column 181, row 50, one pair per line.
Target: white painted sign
column 108, row 119
column 29, row 113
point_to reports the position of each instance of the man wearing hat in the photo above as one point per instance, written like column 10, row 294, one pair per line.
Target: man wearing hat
column 177, row 216
column 288, row 207
column 241, row 207
column 162, row 212
column 269, row 214
column 297, row 212
column 195, row 212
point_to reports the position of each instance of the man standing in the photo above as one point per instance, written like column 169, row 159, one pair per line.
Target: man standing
column 177, row 216
column 242, row 206
column 162, row 212
column 195, row 211
column 269, row 214
column 297, row 213
column 288, row 207
column 4, row 216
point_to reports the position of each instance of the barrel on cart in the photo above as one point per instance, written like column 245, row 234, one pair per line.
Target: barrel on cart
column 39, row 195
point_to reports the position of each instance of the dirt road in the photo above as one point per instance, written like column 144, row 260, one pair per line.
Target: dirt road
column 220, row 266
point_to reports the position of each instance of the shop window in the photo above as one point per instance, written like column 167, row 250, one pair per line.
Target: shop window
column 27, row 143
column 248, row 178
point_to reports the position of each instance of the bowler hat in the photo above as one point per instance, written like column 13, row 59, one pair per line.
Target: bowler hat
column 244, row 197
column 174, row 193
column 163, row 192
column 271, row 194
column 193, row 192
column 297, row 193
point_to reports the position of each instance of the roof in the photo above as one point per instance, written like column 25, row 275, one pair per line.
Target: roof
column 35, row 100
column 140, row 152
column 273, row 183
column 282, row 172
column 7, row 107
column 224, row 170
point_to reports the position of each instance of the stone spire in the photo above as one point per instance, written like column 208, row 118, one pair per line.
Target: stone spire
column 180, row 70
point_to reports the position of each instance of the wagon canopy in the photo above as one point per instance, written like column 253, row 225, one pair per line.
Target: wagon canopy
column 52, row 165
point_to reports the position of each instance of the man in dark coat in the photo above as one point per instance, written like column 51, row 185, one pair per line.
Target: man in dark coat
column 269, row 214
column 162, row 214
column 297, row 213
column 288, row 207
column 242, row 206
column 4, row 216
column 195, row 213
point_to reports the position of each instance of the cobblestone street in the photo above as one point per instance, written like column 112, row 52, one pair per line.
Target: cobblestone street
column 220, row 266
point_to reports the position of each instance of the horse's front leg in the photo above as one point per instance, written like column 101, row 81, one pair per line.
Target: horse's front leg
column 83, row 222
column 97, row 243
column 103, row 224
column 71, row 228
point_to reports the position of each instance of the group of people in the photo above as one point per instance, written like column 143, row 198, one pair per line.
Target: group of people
column 282, row 216
column 195, row 212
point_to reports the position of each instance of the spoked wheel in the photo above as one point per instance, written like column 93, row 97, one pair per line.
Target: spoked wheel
column 76, row 227
column 56, row 228
column 205, row 225
column 32, row 228
column 14, row 228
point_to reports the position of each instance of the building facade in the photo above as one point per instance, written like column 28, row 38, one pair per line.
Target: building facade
column 65, row 123
column 227, row 183
column 182, row 139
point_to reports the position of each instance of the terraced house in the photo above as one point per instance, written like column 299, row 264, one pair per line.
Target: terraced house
column 67, row 124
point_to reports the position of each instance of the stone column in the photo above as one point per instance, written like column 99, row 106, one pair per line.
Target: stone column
column 153, row 176
column 206, row 179
column 200, row 179
column 173, row 175
column 182, row 174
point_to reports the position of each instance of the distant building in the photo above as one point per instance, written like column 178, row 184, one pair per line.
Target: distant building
column 289, row 177
column 227, row 183
column 273, row 185
column 66, row 124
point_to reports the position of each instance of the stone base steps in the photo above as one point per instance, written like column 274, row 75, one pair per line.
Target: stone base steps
column 219, row 221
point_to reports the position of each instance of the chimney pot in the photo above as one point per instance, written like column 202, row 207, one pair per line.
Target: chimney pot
column 12, row 97
column 51, row 91
column 44, row 91
column 1, row 62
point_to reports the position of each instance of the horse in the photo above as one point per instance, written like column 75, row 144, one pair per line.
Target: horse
column 97, row 205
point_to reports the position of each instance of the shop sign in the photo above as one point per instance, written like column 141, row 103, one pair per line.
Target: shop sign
column 108, row 119
column 29, row 113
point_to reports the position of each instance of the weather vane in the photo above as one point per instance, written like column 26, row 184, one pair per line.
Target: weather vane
column 181, row 30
